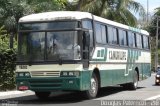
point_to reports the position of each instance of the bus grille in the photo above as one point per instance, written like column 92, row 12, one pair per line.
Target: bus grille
column 45, row 73
column 45, row 84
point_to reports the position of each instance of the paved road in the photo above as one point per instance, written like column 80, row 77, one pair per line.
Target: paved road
column 146, row 91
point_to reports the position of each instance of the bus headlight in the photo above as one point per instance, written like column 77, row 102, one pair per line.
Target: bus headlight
column 157, row 75
column 70, row 74
column 26, row 74
column 22, row 74
column 64, row 73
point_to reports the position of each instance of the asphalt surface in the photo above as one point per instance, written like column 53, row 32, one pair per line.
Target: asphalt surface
column 146, row 91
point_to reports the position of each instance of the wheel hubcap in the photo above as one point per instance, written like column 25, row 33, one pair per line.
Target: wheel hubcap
column 93, row 86
column 136, row 81
column 135, row 84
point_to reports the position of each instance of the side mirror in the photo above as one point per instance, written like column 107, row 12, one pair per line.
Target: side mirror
column 86, row 38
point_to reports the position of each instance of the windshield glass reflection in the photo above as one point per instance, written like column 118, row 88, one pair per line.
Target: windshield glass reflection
column 63, row 45
column 48, row 46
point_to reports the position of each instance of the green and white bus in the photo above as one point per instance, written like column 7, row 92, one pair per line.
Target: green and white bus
column 78, row 51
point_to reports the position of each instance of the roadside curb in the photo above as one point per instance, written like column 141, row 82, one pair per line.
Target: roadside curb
column 15, row 94
column 7, row 93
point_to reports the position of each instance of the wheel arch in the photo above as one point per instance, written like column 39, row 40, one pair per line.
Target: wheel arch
column 97, row 73
column 137, row 70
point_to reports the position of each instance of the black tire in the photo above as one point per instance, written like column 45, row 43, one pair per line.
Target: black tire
column 156, row 83
column 92, row 92
column 133, row 85
column 42, row 95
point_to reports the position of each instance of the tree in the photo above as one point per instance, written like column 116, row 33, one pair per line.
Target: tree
column 117, row 10
column 47, row 5
column 152, row 27
column 12, row 10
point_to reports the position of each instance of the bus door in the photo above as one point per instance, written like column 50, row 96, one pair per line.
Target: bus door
column 85, row 48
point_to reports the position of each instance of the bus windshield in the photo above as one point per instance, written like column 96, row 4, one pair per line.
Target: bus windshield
column 48, row 46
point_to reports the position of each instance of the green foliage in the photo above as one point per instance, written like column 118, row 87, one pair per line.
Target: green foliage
column 47, row 5
column 7, row 62
column 7, row 67
column 152, row 27
column 12, row 10
column 110, row 9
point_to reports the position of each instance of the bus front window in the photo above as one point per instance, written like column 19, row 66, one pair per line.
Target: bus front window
column 62, row 45
column 31, row 46
column 48, row 46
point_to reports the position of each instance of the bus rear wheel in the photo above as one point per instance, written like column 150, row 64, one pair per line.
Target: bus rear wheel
column 133, row 85
column 42, row 95
column 92, row 92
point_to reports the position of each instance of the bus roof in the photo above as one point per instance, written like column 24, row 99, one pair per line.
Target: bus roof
column 56, row 15
column 71, row 15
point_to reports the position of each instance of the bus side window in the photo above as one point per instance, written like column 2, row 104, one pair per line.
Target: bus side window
column 115, row 35
column 134, row 40
column 103, row 34
column 146, row 42
column 98, row 33
column 112, row 35
column 125, row 37
column 139, row 41
column 122, row 37
column 131, row 39
column 88, row 25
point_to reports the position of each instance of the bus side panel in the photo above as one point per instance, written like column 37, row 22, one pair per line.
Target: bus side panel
column 85, row 80
column 118, row 77
column 112, row 77
column 146, row 70
column 129, row 74
column 106, row 77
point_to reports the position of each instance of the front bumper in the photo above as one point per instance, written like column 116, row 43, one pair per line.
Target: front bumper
column 80, row 83
column 49, row 84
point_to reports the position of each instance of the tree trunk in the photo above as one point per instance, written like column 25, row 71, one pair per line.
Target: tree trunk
column 79, row 5
column 11, row 40
column 102, row 7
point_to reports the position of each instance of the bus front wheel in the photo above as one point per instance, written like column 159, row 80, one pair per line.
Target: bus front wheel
column 42, row 95
column 92, row 92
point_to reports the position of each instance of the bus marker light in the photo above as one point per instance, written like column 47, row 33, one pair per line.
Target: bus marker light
column 21, row 74
column 23, row 88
